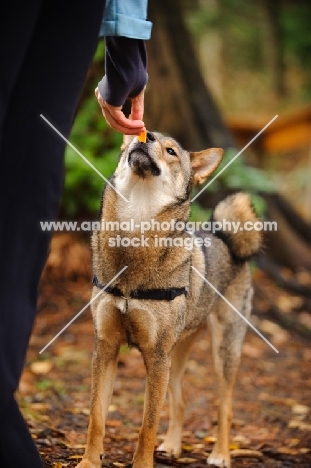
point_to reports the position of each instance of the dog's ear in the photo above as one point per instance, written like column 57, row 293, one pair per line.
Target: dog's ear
column 126, row 141
column 205, row 162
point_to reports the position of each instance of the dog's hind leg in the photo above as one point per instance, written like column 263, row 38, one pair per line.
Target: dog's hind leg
column 227, row 332
column 172, row 442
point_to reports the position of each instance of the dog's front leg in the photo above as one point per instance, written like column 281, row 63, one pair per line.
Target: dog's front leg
column 158, row 368
column 103, row 376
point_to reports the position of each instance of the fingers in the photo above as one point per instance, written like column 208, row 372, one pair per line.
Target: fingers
column 137, row 111
column 117, row 120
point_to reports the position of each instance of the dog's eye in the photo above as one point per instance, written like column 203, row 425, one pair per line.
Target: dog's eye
column 171, row 151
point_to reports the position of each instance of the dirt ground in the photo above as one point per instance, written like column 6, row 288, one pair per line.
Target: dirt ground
column 272, row 398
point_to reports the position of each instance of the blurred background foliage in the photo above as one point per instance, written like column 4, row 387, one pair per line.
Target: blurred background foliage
column 255, row 60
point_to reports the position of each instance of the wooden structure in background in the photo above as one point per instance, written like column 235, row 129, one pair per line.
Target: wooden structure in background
column 289, row 133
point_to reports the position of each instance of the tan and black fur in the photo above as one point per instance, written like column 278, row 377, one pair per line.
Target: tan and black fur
column 156, row 177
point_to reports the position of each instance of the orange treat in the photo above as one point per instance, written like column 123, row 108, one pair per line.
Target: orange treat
column 142, row 136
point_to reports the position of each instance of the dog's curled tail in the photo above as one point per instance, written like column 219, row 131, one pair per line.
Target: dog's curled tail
column 237, row 218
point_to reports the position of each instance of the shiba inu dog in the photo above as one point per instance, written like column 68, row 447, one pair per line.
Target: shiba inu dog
column 161, row 301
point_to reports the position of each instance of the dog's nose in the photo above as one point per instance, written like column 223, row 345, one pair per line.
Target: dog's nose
column 150, row 136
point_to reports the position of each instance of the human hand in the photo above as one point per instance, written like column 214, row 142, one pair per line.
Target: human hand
column 116, row 118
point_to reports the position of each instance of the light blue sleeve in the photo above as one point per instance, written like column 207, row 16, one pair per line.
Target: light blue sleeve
column 126, row 18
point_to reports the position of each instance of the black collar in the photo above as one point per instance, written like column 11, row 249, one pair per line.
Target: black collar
column 155, row 294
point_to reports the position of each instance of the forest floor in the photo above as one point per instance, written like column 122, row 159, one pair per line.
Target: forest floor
column 272, row 398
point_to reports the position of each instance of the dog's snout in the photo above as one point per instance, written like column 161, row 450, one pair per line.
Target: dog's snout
column 150, row 136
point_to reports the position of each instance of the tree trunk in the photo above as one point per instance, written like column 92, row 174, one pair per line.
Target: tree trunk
column 178, row 101
column 273, row 10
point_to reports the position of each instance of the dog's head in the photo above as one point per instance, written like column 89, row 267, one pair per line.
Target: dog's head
column 162, row 166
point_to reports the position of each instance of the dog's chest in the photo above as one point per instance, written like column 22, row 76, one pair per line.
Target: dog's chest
column 144, row 203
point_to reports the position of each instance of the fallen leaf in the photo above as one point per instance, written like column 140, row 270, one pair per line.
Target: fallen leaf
column 304, row 450
column 296, row 424
column 300, row 409
column 186, row 460
column 241, row 440
column 113, row 423
column 246, row 453
column 41, row 367
column 234, row 446
column 112, row 408
column 210, row 439
column 76, row 446
column 38, row 406
column 293, row 442
column 305, row 319
column 187, row 448
column 288, row 451
column 251, row 351
column 198, row 446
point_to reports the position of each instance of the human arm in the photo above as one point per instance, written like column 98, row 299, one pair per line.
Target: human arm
column 125, row 28
column 125, row 78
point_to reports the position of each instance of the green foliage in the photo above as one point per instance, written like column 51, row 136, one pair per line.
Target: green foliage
column 198, row 213
column 237, row 176
column 99, row 144
column 296, row 22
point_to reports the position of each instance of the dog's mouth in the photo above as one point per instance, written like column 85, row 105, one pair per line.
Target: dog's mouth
column 142, row 163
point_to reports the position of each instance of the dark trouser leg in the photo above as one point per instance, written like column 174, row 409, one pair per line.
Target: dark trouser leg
column 44, row 61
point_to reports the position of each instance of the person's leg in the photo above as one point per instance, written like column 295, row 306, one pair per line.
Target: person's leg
column 48, row 81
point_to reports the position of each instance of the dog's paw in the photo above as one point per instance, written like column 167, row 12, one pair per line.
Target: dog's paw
column 171, row 448
column 218, row 459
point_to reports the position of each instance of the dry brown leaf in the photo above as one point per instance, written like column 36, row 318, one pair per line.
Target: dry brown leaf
column 292, row 442
column 234, row 446
column 288, row 303
column 186, row 460
column 270, row 327
column 263, row 396
column 251, row 351
column 112, row 408
column 300, row 409
column 187, row 448
column 287, row 451
column 76, row 446
column 39, row 406
column 296, row 424
column 113, row 423
column 41, row 367
column 246, row 453
column 241, row 439
column 305, row 319
column 198, row 446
